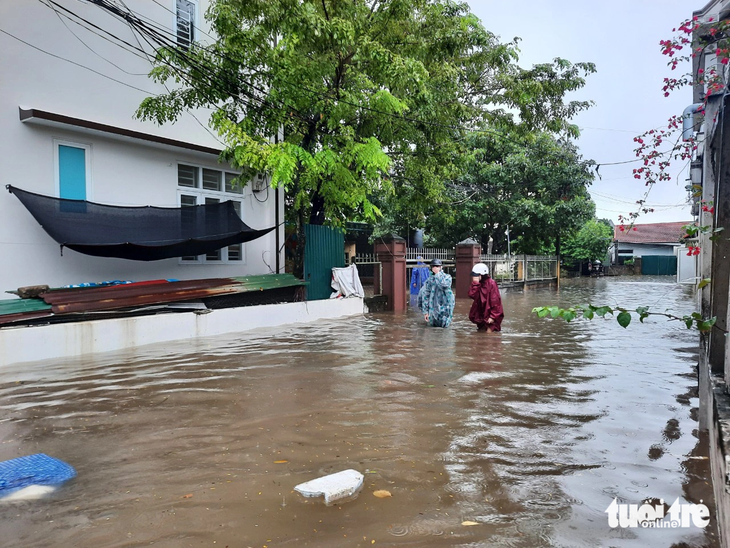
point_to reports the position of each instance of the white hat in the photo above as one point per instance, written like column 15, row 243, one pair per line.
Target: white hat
column 480, row 269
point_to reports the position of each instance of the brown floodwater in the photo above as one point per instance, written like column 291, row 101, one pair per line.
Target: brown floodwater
column 530, row 434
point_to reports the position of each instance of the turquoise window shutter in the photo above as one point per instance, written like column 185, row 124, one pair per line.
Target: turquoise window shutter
column 72, row 172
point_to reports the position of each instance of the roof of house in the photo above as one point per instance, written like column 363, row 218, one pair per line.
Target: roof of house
column 651, row 233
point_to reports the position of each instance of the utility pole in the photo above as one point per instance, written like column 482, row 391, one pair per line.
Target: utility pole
column 509, row 251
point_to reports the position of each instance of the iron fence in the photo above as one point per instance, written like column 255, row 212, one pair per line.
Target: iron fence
column 541, row 267
column 428, row 253
column 503, row 268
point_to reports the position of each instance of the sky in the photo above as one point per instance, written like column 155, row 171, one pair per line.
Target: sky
column 622, row 38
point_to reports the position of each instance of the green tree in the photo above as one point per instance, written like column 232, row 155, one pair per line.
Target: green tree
column 535, row 184
column 591, row 242
column 367, row 98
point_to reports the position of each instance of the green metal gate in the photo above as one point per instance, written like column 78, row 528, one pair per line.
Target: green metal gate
column 659, row 265
column 324, row 249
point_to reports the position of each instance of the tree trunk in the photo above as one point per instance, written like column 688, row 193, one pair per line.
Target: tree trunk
column 316, row 215
column 298, row 259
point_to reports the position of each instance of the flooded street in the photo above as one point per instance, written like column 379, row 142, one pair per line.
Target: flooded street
column 531, row 434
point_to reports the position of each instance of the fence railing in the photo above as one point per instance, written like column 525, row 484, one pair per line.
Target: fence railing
column 429, row 253
column 503, row 268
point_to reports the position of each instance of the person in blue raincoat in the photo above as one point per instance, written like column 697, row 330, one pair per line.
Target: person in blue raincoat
column 436, row 300
column 419, row 276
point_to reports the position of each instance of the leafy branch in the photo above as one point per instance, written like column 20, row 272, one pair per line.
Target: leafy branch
column 623, row 315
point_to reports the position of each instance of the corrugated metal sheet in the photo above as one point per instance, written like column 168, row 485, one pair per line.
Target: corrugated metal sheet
column 128, row 297
column 15, row 310
column 268, row 281
column 88, row 294
column 324, row 250
column 91, row 299
column 18, row 306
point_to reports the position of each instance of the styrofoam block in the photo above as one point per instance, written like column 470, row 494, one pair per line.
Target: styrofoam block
column 334, row 486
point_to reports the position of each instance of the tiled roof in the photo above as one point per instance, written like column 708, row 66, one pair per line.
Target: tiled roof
column 651, row 233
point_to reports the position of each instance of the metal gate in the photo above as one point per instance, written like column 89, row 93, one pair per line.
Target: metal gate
column 324, row 249
column 659, row 265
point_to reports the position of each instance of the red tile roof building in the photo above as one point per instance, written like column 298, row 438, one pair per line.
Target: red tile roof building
column 651, row 233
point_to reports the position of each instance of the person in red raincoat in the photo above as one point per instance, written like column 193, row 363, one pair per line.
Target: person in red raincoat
column 486, row 310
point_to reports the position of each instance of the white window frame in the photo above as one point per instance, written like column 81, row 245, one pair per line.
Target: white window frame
column 193, row 23
column 200, row 195
column 57, row 167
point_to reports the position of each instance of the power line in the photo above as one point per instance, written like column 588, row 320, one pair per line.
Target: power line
column 150, row 33
column 612, row 198
column 92, row 50
column 75, row 63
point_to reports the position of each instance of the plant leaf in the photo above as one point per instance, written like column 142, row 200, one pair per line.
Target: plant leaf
column 623, row 319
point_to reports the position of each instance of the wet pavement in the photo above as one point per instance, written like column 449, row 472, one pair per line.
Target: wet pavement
column 529, row 434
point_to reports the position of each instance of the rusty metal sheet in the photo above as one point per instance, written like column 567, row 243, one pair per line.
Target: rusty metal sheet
column 94, row 294
column 23, row 316
column 123, row 300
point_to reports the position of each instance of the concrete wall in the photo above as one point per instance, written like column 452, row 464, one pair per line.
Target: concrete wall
column 123, row 171
column 68, row 340
column 640, row 250
column 714, row 359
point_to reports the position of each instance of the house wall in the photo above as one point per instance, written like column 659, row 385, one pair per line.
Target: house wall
column 714, row 359
column 639, row 250
column 123, row 171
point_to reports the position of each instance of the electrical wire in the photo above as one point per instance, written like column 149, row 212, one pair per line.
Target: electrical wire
column 104, row 3
column 136, row 23
column 107, row 5
column 76, row 64
column 156, row 40
column 614, row 199
column 92, row 50
column 161, row 41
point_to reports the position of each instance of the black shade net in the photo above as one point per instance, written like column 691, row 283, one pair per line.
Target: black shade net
column 145, row 233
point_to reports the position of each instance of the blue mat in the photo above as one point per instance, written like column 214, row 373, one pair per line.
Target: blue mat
column 36, row 469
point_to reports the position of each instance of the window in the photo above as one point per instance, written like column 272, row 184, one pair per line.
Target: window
column 200, row 185
column 185, row 23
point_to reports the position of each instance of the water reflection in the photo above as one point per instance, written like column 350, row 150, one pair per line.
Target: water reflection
column 530, row 433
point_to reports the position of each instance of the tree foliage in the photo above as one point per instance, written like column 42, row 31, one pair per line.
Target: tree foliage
column 589, row 243
column 535, row 184
column 367, row 98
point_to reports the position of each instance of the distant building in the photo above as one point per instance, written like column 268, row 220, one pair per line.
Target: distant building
column 646, row 239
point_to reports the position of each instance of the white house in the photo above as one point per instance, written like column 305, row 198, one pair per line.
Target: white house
column 648, row 239
column 73, row 75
